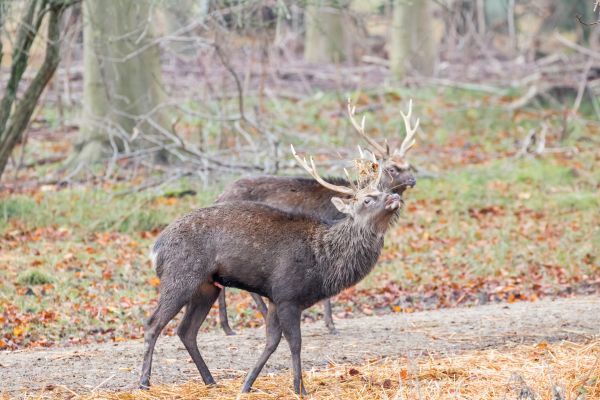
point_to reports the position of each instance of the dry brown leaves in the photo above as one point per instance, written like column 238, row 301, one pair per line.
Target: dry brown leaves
column 543, row 371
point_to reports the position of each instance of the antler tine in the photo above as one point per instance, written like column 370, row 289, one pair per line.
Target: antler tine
column 362, row 155
column 312, row 170
column 375, row 182
column 409, row 140
column 354, row 187
column 361, row 130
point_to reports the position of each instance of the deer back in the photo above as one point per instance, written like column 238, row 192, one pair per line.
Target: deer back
column 292, row 194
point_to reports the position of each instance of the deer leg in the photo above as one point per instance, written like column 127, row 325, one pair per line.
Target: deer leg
column 168, row 307
column 195, row 313
column 223, row 314
column 262, row 307
column 289, row 318
column 328, row 317
column 273, row 338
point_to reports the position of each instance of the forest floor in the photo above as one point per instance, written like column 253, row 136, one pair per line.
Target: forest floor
column 406, row 338
column 484, row 229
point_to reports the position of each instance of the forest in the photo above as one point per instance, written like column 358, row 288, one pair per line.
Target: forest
column 410, row 189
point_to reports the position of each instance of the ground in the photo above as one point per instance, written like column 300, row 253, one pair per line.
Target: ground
column 431, row 334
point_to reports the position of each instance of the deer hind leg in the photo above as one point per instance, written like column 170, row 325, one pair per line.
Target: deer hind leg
column 328, row 317
column 223, row 320
column 289, row 318
column 168, row 306
column 273, row 338
column 196, row 311
column 262, row 307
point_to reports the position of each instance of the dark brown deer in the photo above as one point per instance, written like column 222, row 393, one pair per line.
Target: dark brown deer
column 305, row 196
column 294, row 260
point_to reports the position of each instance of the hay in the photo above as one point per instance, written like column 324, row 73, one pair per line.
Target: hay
column 561, row 371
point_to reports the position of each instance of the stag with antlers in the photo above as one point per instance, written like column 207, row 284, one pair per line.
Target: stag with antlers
column 309, row 196
column 292, row 259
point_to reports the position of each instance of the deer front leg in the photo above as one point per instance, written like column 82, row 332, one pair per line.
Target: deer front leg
column 289, row 319
column 273, row 339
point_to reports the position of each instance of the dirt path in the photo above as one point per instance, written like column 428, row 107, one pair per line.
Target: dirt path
column 443, row 332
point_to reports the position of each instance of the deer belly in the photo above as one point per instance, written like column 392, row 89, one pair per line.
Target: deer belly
column 231, row 281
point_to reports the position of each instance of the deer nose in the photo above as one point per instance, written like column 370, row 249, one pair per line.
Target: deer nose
column 411, row 182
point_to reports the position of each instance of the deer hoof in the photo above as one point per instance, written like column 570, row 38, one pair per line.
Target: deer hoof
column 331, row 329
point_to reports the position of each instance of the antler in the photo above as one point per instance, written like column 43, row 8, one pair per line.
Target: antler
column 368, row 170
column 361, row 130
column 312, row 170
column 409, row 140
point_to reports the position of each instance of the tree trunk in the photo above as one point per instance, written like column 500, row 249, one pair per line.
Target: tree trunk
column 327, row 34
column 122, row 78
column 179, row 15
column 14, row 117
column 3, row 5
column 412, row 40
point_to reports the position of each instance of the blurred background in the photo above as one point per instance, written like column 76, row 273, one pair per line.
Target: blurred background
column 117, row 116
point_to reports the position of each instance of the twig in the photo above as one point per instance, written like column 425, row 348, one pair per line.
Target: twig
column 579, row 18
column 582, row 86
column 523, row 100
column 583, row 50
column 527, row 140
column 460, row 85
column 148, row 185
column 45, row 160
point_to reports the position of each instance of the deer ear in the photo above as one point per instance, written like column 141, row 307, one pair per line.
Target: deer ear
column 341, row 205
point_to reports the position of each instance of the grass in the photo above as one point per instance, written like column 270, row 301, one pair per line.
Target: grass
column 96, row 209
column 506, row 216
column 74, row 266
column 34, row 277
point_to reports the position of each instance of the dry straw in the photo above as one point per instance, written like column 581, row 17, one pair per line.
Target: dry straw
column 561, row 371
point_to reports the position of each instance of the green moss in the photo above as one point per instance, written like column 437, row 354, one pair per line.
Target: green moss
column 34, row 277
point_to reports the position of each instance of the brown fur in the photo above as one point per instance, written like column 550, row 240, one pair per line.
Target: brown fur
column 306, row 196
column 292, row 259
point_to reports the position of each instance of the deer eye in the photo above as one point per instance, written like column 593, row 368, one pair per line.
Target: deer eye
column 368, row 200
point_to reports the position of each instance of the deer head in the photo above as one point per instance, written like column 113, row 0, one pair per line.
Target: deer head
column 397, row 172
column 364, row 202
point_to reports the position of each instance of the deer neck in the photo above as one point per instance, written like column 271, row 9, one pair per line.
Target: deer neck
column 346, row 252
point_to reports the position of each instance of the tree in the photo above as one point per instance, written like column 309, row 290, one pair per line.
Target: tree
column 122, row 78
column 327, row 35
column 180, row 17
column 15, row 113
column 412, row 41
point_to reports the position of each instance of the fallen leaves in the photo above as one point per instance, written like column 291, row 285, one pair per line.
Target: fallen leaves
column 467, row 238
column 18, row 330
column 154, row 282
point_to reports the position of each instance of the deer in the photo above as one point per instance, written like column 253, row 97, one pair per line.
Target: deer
column 298, row 194
column 294, row 260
